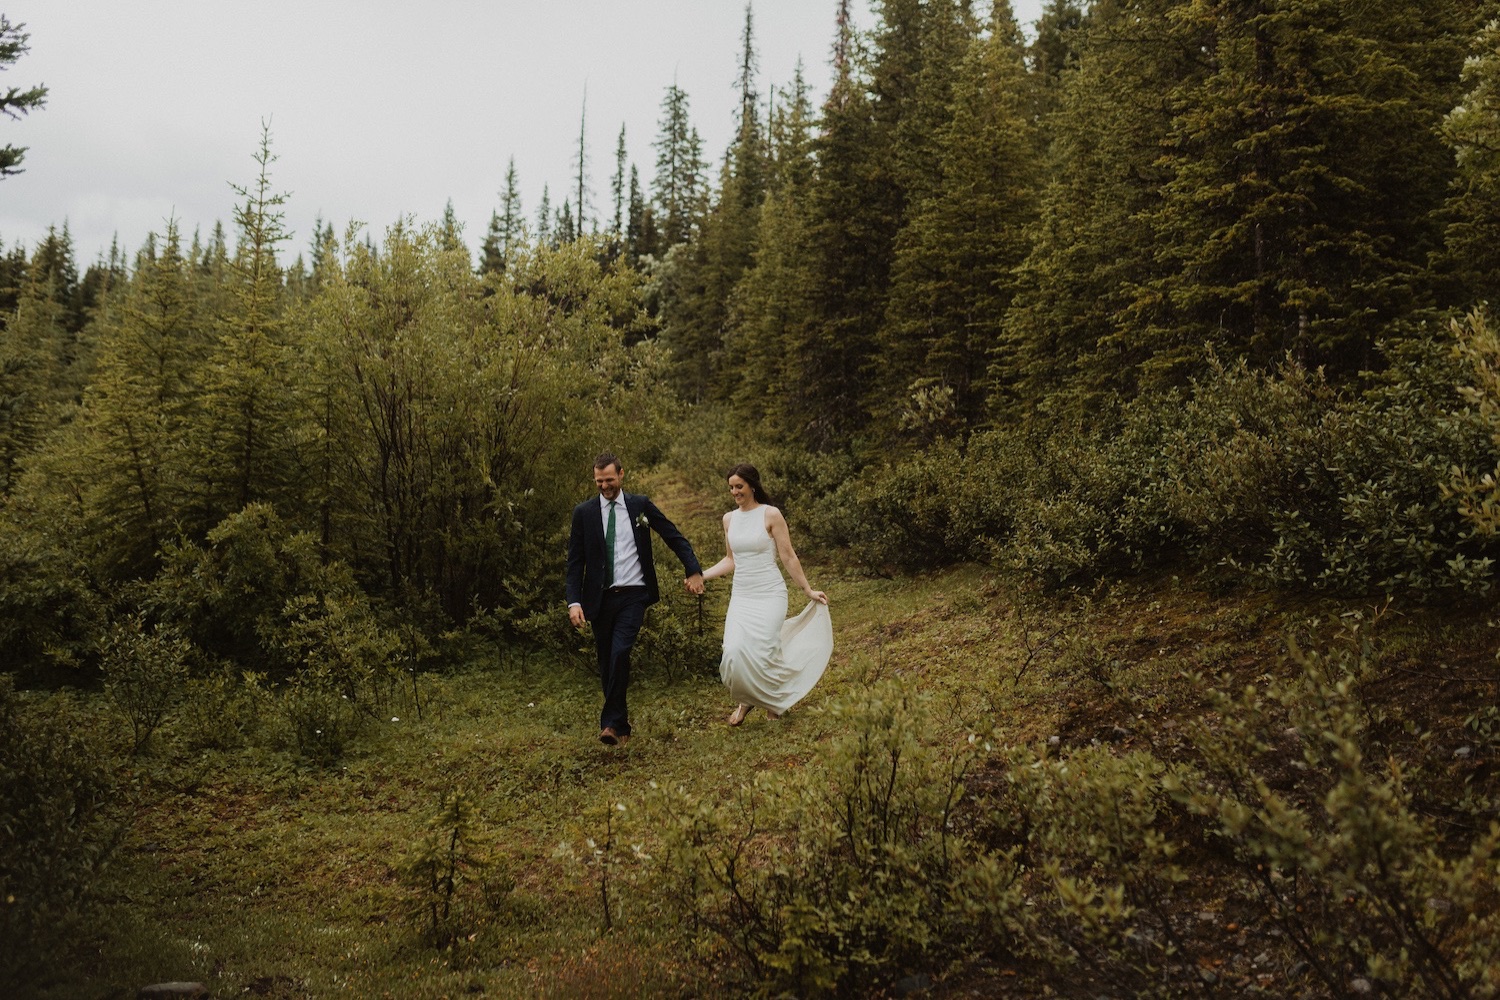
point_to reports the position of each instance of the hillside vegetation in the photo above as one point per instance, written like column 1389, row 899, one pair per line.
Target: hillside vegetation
column 1000, row 791
column 1132, row 386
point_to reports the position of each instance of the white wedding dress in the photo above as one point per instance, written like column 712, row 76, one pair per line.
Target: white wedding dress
column 769, row 660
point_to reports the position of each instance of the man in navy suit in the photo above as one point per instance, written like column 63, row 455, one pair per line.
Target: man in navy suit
column 612, row 581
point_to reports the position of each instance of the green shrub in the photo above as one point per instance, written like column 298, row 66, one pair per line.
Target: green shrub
column 324, row 722
column 1273, row 476
column 1095, row 845
column 58, row 825
column 683, row 635
column 894, row 517
column 237, row 595
column 1356, row 877
column 50, row 617
column 836, row 877
column 348, row 671
column 1477, row 488
column 1292, row 482
column 144, row 673
column 222, row 711
column 455, row 886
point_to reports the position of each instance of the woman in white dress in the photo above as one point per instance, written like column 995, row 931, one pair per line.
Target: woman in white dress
column 769, row 660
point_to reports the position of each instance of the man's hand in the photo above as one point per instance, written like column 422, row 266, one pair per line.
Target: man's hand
column 575, row 615
column 694, row 583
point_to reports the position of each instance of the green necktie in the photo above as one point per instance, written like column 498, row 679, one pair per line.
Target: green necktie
column 609, row 547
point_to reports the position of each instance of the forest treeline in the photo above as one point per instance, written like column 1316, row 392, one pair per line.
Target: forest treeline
column 1169, row 283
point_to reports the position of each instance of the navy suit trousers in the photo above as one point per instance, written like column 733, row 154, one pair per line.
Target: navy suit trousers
column 616, row 626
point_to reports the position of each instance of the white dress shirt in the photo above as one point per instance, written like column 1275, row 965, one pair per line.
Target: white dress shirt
column 628, row 571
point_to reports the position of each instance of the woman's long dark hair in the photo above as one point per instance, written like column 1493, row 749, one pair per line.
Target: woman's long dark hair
column 751, row 476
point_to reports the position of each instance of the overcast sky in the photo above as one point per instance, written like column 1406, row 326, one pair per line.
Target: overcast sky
column 378, row 109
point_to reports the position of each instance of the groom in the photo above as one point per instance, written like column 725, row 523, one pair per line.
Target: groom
column 612, row 580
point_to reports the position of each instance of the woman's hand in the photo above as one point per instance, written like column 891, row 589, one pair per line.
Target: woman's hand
column 817, row 595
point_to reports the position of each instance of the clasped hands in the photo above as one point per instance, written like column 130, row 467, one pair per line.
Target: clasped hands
column 694, row 583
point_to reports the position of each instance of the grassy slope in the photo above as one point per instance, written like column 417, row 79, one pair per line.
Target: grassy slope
column 251, row 870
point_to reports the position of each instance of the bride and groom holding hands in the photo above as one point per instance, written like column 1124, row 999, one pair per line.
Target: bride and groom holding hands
column 768, row 661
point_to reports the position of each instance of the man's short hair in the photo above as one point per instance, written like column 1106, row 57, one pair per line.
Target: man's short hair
column 606, row 459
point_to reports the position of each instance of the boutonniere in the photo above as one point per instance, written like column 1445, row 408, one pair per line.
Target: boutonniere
column 640, row 520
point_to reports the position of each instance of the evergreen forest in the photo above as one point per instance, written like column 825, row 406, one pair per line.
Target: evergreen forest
column 1131, row 384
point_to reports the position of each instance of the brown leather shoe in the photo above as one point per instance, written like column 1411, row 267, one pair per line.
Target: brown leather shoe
column 609, row 737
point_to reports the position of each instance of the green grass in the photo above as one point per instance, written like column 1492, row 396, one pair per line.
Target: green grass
column 250, row 864
column 249, row 868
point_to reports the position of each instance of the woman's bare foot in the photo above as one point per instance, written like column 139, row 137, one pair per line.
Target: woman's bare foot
column 739, row 713
column 773, row 716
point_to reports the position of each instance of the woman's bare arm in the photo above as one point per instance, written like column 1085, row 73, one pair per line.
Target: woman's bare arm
column 776, row 525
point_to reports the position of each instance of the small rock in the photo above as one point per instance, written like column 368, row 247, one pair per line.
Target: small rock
column 1118, row 734
column 1208, row 917
column 1361, row 986
column 911, row 984
column 1207, row 975
column 1439, row 904
column 1264, row 958
column 1463, row 752
column 1053, row 741
column 1298, row 970
column 171, row 991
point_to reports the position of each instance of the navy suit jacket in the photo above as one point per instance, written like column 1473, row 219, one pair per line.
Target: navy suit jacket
column 586, row 549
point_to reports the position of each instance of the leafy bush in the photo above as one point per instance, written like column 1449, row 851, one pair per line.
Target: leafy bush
column 237, row 596
column 144, row 673
column 896, row 517
column 50, row 617
column 1478, row 351
column 348, row 671
column 1354, row 875
column 1294, row 483
column 58, row 789
column 222, row 711
column 835, row 877
column 1275, row 476
column 682, row 635
column 1100, row 874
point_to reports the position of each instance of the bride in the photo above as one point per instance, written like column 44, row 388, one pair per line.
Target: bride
column 769, row 660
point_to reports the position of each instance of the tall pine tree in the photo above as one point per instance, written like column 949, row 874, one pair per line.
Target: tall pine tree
column 953, row 280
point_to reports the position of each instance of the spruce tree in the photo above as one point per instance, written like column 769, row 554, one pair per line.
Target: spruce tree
column 244, row 446
column 450, row 233
column 772, row 297
column 544, row 219
column 953, row 281
column 641, row 237
column 696, row 288
column 136, row 413
column 1091, row 245
column 852, row 211
column 617, row 188
column 507, row 227
column 1306, row 173
column 585, row 197
column 677, row 187
column 14, row 101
